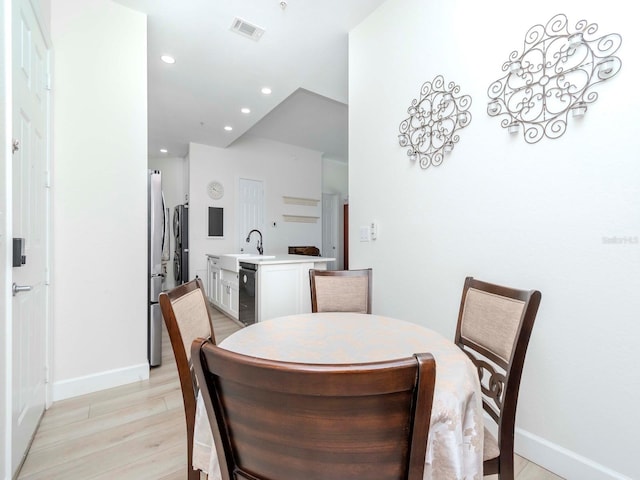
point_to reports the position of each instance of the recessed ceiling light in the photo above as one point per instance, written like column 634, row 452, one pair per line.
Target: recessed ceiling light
column 228, row 128
column 245, row 110
column 266, row 91
column 168, row 59
column 163, row 150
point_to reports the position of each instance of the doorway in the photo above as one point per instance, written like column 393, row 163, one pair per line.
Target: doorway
column 330, row 226
column 251, row 212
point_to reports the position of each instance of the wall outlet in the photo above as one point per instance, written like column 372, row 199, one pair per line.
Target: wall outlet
column 364, row 234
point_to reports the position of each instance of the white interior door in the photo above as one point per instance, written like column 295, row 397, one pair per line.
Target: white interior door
column 330, row 229
column 30, row 222
column 251, row 208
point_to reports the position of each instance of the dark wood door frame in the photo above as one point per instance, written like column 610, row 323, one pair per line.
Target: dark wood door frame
column 345, row 231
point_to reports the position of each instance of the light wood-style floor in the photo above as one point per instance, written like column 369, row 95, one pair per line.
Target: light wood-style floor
column 135, row 432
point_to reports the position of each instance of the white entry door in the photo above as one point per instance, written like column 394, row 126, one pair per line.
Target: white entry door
column 330, row 247
column 251, row 208
column 31, row 223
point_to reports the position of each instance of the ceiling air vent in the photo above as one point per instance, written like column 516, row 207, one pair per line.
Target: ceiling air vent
column 247, row 29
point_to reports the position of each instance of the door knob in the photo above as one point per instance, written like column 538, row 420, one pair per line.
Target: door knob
column 20, row 288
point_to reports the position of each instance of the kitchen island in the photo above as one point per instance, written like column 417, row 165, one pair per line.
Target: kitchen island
column 252, row 288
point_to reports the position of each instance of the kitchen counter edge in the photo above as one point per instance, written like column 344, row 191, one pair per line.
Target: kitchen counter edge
column 280, row 259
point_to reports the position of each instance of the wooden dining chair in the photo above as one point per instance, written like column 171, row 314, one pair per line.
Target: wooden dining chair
column 341, row 290
column 494, row 326
column 186, row 314
column 291, row 421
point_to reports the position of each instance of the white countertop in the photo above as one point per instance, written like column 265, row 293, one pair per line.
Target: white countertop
column 231, row 261
column 285, row 258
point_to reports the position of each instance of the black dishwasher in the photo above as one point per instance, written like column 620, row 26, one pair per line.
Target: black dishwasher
column 247, row 307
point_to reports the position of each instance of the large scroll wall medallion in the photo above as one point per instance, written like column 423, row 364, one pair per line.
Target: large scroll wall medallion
column 434, row 119
column 555, row 74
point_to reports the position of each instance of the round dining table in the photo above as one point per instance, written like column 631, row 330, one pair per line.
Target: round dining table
column 454, row 447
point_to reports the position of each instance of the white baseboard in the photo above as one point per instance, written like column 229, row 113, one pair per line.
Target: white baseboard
column 99, row 381
column 560, row 461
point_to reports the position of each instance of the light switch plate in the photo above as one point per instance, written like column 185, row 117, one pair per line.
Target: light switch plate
column 364, row 234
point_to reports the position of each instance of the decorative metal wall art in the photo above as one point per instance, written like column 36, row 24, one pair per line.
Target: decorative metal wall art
column 434, row 119
column 555, row 74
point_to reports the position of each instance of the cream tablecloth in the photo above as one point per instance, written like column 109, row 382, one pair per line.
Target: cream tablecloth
column 454, row 449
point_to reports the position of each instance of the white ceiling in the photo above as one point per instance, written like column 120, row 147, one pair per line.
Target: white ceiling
column 302, row 56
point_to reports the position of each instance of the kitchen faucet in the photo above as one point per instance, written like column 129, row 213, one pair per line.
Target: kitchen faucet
column 259, row 246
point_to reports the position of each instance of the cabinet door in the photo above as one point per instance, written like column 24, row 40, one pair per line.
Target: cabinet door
column 227, row 292
column 209, row 280
column 229, row 300
column 225, row 297
column 213, row 287
column 279, row 290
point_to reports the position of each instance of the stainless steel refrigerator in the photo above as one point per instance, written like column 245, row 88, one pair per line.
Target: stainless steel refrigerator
column 157, row 238
column 181, row 237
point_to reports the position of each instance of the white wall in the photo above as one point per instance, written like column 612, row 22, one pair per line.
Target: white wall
column 499, row 209
column 335, row 177
column 99, row 196
column 284, row 170
column 173, row 186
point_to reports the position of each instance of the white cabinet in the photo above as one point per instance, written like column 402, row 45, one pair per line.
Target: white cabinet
column 282, row 283
column 284, row 289
column 229, row 292
column 213, row 274
column 222, row 288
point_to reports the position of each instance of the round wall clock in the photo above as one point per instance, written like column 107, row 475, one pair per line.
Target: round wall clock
column 215, row 190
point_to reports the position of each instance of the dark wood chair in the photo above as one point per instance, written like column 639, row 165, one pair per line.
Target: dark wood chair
column 292, row 421
column 186, row 314
column 494, row 326
column 341, row 290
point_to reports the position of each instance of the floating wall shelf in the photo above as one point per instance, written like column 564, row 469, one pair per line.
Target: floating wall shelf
column 310, row 202
column 300, row 218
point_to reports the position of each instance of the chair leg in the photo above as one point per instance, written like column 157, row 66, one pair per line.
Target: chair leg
column 491, row 467
column 192, row 474
column 505, row 468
